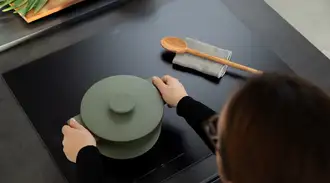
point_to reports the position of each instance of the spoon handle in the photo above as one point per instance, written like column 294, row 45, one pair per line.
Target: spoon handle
column 223, row 61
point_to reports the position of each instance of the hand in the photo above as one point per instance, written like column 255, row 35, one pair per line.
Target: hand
column 170, row 88
column 75, row 138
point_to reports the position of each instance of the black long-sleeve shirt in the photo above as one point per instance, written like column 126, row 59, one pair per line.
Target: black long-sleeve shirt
column 89, row 160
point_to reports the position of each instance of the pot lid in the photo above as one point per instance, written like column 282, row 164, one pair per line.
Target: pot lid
column 122, row 108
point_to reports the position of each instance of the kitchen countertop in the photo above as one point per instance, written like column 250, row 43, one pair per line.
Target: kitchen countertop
column 15, row 30
column 23, row 155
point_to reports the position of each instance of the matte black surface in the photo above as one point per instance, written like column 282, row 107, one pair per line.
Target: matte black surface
column 50, row 89
column 15, row 30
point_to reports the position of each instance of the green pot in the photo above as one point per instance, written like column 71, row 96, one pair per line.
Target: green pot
column 124, row 113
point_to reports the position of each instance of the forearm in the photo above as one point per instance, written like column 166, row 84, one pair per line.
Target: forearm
column 195, row 113
column 89, row 165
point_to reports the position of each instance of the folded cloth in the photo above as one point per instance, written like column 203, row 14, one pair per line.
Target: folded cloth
column 200, row 64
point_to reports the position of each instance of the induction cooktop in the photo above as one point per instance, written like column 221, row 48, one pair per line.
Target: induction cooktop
column 50, row 91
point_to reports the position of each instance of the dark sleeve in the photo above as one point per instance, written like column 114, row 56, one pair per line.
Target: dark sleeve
column 89, row 165
column 195, row 113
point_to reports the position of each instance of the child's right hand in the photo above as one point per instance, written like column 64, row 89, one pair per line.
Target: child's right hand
column 171, row 89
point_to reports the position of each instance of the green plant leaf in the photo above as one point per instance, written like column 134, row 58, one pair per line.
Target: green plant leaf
column 21, row 10
column 22, row 6
column 35, row 2
column 5, row 3
column 16, row 4
column 40, row 5
column 27, row 8
column 19, row 3
column 8, row 9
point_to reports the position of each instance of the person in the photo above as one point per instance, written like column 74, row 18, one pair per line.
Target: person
column 275, row 129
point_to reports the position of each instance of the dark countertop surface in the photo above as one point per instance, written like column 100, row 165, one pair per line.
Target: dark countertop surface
column 14, row 30
column 23, row 155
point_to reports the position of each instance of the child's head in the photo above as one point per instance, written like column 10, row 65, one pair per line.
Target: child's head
column 276, row 129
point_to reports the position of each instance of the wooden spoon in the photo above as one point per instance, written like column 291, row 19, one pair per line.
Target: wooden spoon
column 178, row 45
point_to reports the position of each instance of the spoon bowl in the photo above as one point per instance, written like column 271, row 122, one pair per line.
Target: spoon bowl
column 174, row 44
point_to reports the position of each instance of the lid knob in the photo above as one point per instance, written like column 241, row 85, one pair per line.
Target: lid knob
column 121, row 103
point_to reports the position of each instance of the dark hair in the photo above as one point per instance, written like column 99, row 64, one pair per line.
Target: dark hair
column 277, row 130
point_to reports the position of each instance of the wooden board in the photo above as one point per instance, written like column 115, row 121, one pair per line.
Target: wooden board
column 51, row 7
